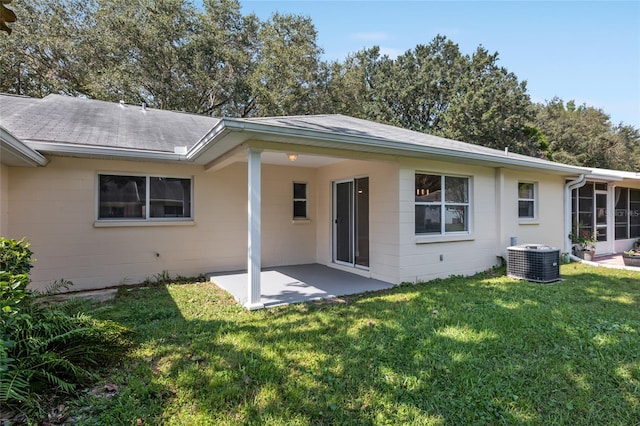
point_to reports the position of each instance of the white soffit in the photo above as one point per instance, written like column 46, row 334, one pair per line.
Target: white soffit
column 303, row 160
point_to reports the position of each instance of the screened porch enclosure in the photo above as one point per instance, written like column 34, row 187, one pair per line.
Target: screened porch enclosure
column 609, row 210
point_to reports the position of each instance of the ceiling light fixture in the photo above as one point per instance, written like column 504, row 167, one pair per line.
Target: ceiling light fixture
column 292, row 157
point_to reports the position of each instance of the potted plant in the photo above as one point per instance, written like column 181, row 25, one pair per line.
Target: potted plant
column 584, row 243
column 632, row 257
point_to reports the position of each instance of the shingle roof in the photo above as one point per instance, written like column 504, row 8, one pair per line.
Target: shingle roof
column 66, row 119
column 104, row 126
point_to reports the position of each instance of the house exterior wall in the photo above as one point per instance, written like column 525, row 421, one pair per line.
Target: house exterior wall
column 494, row 220
column 54, row 208
column 4, row 199
column 548, row 226
column 419, row 255
column 383, row 213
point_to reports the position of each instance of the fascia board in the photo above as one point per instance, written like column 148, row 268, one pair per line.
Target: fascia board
column 218, row 142
column 19, row 149
column 319, row 138
column 101, row 151
column 613, row 175
column 600, row 176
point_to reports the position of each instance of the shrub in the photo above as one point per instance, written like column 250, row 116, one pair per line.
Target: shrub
column 15, row 256
column 45, row 348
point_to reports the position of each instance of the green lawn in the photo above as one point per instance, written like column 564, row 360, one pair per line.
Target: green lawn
column 479, row 350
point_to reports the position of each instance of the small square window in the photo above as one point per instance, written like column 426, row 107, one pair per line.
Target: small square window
column 300, row 200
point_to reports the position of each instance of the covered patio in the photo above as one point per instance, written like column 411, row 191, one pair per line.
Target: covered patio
column 284, row 285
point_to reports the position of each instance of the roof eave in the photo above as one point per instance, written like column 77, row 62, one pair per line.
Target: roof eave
column 57, row 148
column 18, row 149
column 320, row 138
column 612, row 175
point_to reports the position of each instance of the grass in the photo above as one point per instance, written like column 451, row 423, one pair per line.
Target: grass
column 480, row 350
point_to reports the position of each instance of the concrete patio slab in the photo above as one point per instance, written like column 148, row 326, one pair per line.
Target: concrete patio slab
column 300, row 283
column 614, row 261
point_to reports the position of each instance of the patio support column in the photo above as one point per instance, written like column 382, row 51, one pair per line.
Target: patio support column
column 254, row 220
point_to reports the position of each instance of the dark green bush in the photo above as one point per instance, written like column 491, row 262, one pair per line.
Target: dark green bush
column 45, row 348
column 15, row 256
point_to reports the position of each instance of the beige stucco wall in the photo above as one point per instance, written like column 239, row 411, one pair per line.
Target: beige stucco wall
column 4, row 199
column 462, row 255
column 383, row 213
column 54, row 207
column 548, row 227
column 494, row 220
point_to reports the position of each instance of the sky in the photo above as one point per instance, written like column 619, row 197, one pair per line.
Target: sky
column 587, row 51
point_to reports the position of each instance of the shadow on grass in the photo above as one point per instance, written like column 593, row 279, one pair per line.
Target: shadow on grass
column 460, row 351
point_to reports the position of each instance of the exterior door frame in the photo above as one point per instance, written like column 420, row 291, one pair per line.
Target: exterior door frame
column 355, row 230
column 602, row 210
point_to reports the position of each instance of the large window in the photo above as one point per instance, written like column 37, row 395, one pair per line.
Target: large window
column 627, row 208
column 299, row 200
column 143, row 197
column 441, row 204
column 526, row 200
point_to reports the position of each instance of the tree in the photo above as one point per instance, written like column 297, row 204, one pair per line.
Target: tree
column 417, row 88
column 434, row 88
column 584, row 136
column 172, row 55
column 41, row 56
column 490, row 107
column 285, row 80
column 348, row 86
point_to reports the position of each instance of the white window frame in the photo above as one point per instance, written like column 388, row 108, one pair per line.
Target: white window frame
column 628, row 214
column 533, row 200
column 443, row 205
column 147, row 219
column 305, row 199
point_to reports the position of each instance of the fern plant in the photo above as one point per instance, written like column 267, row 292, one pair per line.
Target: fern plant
column 47, row 347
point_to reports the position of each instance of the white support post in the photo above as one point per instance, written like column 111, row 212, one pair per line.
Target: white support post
column 254, row 220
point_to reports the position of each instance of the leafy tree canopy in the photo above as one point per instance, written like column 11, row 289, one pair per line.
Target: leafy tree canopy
column 584, row 136
column 210, row 59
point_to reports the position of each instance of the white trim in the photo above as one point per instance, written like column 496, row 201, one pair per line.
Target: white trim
column 347, row 267
column 428, row 239
column 535, row 200
column 147, row 210
column 325, row 138
column 568, row 205
column 301, row 221
column 305, row 199
column 243, row 129
column 140, row 223
column 102, row 151
column 254, row 249
column 352, row 224
column 443, row 205
column 19, row 149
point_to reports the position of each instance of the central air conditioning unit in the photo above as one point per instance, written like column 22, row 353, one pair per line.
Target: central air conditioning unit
column 534, row 262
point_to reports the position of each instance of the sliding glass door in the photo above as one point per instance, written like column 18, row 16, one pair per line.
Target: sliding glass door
column 351, row 222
